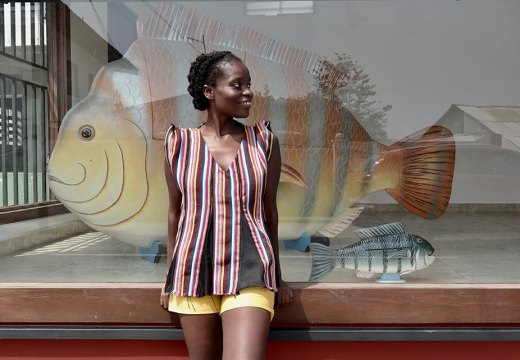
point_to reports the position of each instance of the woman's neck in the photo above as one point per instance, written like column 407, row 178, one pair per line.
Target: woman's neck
column 219, row 126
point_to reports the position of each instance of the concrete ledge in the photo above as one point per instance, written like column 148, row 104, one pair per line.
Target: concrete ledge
column 323, row 304
column 25, row 235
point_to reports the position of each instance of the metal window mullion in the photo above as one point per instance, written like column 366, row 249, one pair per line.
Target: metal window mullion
column 35, row 146
column 4, row 140
column 24, row 147
column 14, row 94
column 39, row 150
column 2, row 29
column 13, row 29
column 8, row 90
column 33, row 31
column 22, row 29
column 42, row 51
column 44, row 143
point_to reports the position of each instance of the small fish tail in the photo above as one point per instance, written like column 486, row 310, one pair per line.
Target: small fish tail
column 427, row 164
column 323, row 261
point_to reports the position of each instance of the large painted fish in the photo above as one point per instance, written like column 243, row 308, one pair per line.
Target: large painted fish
column 107, row 164
column 384, row 249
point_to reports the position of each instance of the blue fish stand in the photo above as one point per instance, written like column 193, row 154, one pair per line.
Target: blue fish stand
column 303, row 242
column 390, row 278
column 153, row 253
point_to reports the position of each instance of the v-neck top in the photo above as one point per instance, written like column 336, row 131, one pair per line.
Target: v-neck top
column 222, row 216
column 213, row 158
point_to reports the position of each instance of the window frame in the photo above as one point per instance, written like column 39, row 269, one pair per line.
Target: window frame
column 316, row 304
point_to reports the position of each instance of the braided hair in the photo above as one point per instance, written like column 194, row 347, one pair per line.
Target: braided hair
column 205, row 71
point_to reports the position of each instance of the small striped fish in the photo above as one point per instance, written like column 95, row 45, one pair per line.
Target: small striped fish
column 382, row 249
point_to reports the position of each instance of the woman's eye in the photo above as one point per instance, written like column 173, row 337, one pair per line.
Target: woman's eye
column 236, row 85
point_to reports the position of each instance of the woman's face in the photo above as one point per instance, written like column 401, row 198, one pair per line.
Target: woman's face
column 232, row 93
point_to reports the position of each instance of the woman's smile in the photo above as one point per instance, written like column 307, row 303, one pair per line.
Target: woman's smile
column 233, row 88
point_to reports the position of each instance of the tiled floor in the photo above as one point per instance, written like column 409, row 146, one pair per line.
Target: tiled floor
column 469, row 248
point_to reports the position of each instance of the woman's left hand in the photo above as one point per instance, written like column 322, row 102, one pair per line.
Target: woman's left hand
column 284, row 296
column 164, row 299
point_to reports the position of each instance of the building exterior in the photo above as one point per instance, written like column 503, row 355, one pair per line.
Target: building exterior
column 490, row 125
column 403, row 65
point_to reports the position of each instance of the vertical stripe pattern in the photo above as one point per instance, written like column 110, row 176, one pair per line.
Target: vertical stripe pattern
column 211, row 194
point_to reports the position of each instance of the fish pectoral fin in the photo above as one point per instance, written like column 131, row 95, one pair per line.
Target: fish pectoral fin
column 403, row 253
column 341, row 222
column 406, row 271
column 365, row 274
column 291, row 175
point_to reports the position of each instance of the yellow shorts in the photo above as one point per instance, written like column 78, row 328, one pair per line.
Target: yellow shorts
column 217, row 304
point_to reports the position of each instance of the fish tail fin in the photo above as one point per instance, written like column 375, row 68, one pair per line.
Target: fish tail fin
column 323, row 261
column 427, row 160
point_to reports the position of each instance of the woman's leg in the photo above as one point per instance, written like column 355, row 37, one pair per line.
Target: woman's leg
column 245, row 333
column 203, row 335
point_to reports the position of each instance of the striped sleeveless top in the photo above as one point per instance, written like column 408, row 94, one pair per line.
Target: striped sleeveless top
column 221, row 226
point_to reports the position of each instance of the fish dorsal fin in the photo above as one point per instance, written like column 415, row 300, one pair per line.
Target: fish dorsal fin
column 394, row 228
column 171, row 21
column 364, row 274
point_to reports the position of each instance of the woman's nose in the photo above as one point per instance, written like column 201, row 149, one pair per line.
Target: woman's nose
column 247, row 91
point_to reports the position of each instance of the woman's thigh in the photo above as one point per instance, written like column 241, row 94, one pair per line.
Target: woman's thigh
column 245, row 332
column 203, row 335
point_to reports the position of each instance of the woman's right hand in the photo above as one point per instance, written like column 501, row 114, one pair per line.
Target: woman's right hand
column 165, row 298
column 284, row 296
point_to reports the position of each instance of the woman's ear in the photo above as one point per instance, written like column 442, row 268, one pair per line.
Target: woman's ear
column 208, row 92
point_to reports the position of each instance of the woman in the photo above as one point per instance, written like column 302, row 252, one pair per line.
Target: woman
column 223, row 264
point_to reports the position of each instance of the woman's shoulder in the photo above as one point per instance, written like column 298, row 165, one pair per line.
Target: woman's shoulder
column 261, row 126
column 175, row 136
column 174, row 127
column 174, row 130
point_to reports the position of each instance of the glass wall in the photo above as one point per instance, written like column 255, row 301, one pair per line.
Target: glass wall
column 398, row 121
column 23, row 104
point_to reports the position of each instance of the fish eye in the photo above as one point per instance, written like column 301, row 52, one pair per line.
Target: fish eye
column 86, row 132
column 419, row 241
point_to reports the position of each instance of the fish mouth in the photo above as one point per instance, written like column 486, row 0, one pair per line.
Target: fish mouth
column 59, row 181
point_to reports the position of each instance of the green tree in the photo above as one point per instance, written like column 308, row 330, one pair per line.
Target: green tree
column 356, row 92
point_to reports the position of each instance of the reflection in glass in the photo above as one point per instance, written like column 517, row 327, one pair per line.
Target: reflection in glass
column 23, row 138
column 419, row 68
column 24, row 31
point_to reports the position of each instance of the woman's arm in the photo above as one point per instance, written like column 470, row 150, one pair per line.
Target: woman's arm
column 174, row 210
column 284, row 295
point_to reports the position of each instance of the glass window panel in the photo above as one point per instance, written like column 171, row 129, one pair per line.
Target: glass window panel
column 270, row 8
column 18, row 22
column 297, row 7
column 348, row 86
column 263, row 8
column 28, row 36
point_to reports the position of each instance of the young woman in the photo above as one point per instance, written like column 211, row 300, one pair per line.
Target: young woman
column 223, row 264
